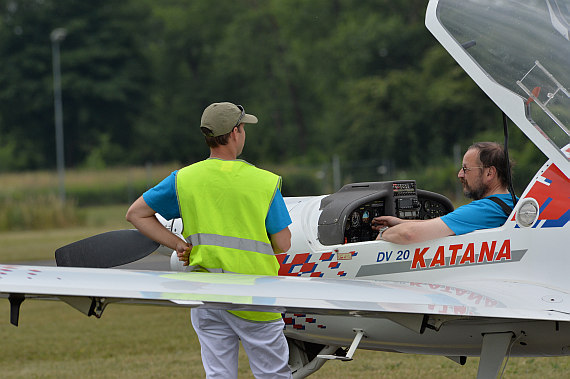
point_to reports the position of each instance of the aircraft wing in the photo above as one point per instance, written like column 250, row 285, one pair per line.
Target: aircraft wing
column 90, row 290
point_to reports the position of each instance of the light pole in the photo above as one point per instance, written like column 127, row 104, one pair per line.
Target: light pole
column 56, row 36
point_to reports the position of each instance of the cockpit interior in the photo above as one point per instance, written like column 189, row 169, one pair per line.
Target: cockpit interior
column 347, row 214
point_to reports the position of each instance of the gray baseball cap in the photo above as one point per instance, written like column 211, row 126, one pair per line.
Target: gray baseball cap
column 221, row 118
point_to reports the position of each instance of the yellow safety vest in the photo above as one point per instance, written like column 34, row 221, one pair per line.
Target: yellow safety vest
column 223, row 205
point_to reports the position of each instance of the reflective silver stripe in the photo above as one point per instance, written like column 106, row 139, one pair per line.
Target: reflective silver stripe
column 230, row 242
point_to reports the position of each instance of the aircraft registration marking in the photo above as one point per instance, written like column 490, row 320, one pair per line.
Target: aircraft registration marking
column 444, row 256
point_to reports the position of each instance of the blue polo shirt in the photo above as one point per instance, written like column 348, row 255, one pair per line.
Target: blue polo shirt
column 163, row 200
column 479, row 214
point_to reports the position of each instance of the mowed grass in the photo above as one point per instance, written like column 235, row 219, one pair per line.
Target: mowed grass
column 56, row 341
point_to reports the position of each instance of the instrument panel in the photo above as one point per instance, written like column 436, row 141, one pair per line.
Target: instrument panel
column 432, row 209
column 358, row 226
column 347, row 214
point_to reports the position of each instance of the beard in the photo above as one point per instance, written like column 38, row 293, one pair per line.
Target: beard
column 473, row 192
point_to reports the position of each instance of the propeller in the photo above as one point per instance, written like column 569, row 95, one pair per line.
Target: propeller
column 106, row 250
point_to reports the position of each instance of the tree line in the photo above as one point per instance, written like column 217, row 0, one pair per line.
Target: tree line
column 359, row 79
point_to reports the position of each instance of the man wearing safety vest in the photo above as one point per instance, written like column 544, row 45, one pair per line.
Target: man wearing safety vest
column 235, row 221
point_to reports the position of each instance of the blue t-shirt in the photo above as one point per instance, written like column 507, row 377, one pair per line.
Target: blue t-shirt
column 163, row 200
column 479, row 214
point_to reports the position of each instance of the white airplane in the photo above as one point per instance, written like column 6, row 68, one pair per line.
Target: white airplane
column 490, row 293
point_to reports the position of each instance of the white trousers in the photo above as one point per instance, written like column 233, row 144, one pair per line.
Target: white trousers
column 219, row 333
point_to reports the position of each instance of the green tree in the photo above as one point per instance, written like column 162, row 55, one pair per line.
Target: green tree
column 181, row 50
column 414, row 117
column 362, row 79
column 104, row 76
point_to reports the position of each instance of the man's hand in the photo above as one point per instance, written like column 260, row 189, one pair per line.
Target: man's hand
column 183, row 250
column 410, row 231
column 382, row 221
column 142, row 217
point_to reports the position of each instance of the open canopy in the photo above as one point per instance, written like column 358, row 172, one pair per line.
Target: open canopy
column 518, row 52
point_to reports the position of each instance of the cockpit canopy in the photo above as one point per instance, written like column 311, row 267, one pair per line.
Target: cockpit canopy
column 522, row 46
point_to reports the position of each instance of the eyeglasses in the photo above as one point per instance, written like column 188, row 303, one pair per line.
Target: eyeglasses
column 241, row 116
column 465, row 169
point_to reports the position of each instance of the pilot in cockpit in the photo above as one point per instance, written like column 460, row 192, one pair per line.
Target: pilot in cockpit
column 484, row 176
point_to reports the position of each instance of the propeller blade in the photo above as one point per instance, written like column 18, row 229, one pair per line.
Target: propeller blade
column 106, row 250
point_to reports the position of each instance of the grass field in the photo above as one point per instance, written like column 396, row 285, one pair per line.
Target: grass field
column 56, row 341
column 37, row 245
